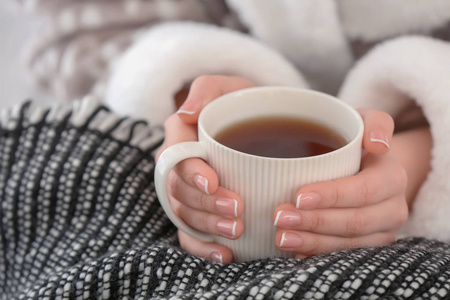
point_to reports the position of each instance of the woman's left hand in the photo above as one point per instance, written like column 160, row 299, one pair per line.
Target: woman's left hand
column 366, row 209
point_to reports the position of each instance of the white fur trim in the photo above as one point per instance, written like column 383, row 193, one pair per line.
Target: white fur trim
column 370, row 20
column 307, row 32
column 413, row 68
column 170, row 55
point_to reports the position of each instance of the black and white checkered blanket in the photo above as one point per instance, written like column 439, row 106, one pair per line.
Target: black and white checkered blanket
column 79, row 219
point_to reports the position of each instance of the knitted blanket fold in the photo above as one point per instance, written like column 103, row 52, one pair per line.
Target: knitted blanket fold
column 79, row 219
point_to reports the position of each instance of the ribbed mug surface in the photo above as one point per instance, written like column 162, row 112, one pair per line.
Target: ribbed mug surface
column 263, row 182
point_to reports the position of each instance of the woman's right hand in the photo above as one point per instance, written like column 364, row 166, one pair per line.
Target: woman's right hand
column 194, row 190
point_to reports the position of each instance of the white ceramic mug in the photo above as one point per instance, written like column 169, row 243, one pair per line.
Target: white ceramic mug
column 263, row 182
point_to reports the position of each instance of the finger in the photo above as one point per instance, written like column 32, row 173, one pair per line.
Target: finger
column 381, row 178
column 352, row 222
column 205, row 89
column 211, row 251
column 202, row 221
column 224, row 202
column 308, row 244
column 194, row 171
column 176, row 132
column 378, row 130
column 199, row 174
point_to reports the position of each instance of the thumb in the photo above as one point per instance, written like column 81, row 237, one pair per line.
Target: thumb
column 378, row 130
column 205, row 89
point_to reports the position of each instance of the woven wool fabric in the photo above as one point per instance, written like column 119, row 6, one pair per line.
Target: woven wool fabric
column 80, row 220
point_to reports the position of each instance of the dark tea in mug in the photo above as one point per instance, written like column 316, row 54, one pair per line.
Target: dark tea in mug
column 280, row 137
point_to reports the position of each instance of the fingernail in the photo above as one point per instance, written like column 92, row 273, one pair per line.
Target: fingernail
column 307, row 200
column 227, row 228
column 378, row 137
column 290, row 240
column 285, row 218
column 187, row 112
column 217, row 257
column 227, row 207
column 202, row 183
column 189, row 107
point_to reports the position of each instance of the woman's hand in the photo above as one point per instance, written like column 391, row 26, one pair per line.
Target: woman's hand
column 194, row 192
column 362, row 210
column 366, row 209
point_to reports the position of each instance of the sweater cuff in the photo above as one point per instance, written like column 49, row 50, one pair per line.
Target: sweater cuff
column 164, row 59
column 389, row 78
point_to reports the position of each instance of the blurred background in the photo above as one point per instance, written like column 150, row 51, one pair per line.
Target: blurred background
column 15, row 30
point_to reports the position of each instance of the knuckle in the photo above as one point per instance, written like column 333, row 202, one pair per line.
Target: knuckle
column 338, row 195
column 366, row 191
column 316, row 222
column 334, row 195
column 204, row 202
column 356, row 224
column 203, row 80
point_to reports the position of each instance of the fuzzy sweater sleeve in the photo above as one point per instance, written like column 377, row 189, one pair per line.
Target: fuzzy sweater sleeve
column 168, row 56
column 389, row 78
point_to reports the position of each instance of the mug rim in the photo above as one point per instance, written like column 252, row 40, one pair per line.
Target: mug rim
column 222, row 98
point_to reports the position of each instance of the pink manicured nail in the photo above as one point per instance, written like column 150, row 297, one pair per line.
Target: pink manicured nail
column 202, row 183
column 307, row 200
column 227, row 228
column 217, row 257
column 189, row 107
column 290, row 240
column 286, row 218
column 187, row 112
column 378, row 137
column 227, row 207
